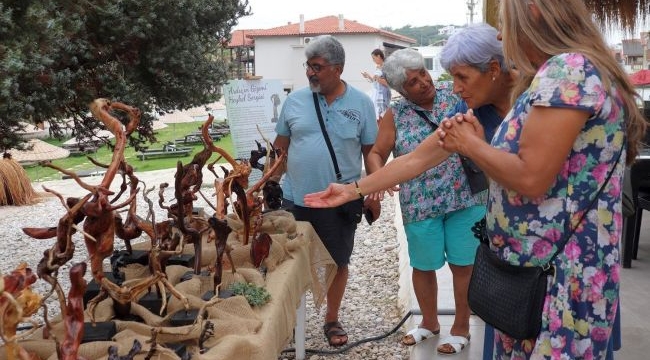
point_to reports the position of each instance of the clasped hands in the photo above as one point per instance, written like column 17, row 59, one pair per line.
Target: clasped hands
column 456, row 133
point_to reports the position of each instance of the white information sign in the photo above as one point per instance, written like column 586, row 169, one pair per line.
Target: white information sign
column 253, row 107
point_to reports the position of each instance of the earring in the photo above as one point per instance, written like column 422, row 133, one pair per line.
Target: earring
column 493, row 78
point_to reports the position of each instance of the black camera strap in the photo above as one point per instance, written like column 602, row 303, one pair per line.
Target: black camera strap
column 327, row 138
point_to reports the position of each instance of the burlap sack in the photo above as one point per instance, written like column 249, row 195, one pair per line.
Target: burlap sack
column 238, row 331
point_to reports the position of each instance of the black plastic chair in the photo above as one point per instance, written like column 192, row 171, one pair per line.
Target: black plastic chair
column 639, row 175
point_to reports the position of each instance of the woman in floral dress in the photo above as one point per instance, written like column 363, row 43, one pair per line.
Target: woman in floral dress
column 573, row 122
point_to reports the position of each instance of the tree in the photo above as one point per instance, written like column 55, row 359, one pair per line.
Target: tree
column 57, row 56
column 425, row 35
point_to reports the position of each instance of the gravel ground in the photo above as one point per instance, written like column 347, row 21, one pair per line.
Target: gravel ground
column 369, row 308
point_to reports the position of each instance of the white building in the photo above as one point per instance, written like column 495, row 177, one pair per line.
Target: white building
column 280, row 51
column 447, row 30
column 431, row 56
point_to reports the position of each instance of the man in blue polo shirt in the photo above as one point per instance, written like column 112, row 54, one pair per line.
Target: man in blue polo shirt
column 349, row 118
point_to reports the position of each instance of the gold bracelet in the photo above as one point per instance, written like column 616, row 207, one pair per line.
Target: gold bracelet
column 358, row 190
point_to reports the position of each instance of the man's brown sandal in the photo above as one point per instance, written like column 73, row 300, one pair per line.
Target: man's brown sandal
column 335, row 329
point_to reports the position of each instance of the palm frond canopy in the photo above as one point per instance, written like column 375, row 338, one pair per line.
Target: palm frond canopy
column 623, row 14
column 626, row 15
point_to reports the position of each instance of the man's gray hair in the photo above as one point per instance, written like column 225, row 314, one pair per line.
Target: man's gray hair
column 476, row 46
column 398, row 63
column 327, row 47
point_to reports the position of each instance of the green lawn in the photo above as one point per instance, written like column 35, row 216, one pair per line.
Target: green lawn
column 104, row 154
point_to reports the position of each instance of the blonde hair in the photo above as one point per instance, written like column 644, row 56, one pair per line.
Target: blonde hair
column 566, row 26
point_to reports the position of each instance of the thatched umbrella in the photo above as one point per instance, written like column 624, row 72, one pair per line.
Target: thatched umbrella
column 610, row 14
column 15, row 187
column 99, row 136
column 624, row 14
column 31, row 131
column 38, row 150
column 176, row 117
column 157, row 125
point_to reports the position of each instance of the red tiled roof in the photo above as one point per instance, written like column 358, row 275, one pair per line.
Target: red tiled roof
column 242, row 37
column 321, row 26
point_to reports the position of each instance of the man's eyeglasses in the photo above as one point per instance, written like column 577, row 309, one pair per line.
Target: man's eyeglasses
column 316, row 68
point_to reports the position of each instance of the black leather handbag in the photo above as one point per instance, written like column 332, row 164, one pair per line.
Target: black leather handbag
column 508, row 297
column 511, row 297
column 352, row 211
column 475, row 177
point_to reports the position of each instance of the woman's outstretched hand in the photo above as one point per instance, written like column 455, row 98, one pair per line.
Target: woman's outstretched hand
column 334, row 195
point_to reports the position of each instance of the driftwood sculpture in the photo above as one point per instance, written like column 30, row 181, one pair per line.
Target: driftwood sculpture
column 128, row 229
column 188, row 180
column 260, row 243
column 100, row 220
column 73, row 315
column 221, row 230
column 17, row 304
column 248, row 204
column 157, row 256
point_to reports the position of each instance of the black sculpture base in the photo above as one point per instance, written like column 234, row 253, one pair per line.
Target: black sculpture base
column 223, row 294
column 179, row 349
column 186, row 260
column 190, row 274
column 92, row 289
column 198, row 211
column 102, row 331
column 183, row 317
column 152, row 301
column 123, row 258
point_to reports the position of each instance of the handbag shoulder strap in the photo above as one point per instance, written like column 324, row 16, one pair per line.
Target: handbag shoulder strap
column 327, row 138
column 426, row 118
column 584, row 214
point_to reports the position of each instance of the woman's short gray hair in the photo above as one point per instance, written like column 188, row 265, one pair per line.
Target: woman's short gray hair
column 396, row 65
column 327, row 47
column 475, row 45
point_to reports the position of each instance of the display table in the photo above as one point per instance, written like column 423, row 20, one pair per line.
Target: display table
column 287, row 285
column 239, row 331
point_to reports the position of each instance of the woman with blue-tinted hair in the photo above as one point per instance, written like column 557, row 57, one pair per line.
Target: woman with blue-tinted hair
column 482, row 78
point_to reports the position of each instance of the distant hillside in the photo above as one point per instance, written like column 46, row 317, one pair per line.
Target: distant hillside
column 425, row 35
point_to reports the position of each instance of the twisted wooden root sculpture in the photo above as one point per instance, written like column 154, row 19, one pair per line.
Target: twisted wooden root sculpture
column 221, row 231
column 101, row 226
column 73, row 320
column 17, row 304
column 249, row 203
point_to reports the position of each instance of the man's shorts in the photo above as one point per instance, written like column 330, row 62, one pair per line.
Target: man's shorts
column 444, row 238
column 336, row 233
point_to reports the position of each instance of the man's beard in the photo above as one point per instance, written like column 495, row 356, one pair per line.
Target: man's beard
column 314, row 85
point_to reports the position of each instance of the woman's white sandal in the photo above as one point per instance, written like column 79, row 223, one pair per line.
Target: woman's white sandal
column 417, row 335
column 457, row 343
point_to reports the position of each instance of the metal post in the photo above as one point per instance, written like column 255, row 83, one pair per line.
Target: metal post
column 299, row 331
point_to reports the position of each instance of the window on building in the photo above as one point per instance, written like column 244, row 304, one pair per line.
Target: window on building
column 428, row 63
